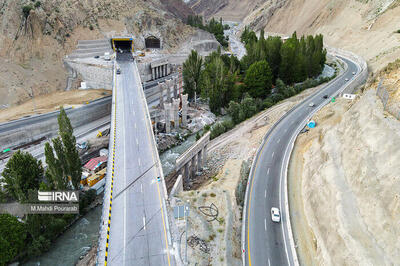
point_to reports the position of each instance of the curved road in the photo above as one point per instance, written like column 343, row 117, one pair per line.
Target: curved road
column 266, row 242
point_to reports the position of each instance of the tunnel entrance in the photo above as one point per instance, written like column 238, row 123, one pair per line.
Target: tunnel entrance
column 122, row 45
column 152, row 42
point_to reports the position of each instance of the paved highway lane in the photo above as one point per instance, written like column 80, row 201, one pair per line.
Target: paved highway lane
column 138, row 233
column 266, row 242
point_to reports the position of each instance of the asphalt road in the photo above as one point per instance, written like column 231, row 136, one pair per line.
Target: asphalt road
column 266, row 242
column 138, row 231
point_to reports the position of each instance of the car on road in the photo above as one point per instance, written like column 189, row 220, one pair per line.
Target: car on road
column 275, row 215
column 311, row 104
column 346, row 79
column 354, row 73
column 118, row 71
column 325, row 96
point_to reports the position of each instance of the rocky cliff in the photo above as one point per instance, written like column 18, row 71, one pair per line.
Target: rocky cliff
column 36, row 35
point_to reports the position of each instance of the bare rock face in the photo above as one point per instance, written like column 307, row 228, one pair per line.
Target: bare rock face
column 35, row 36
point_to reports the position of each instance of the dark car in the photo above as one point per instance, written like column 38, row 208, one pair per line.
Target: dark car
column 325, row 96
column 118, row 71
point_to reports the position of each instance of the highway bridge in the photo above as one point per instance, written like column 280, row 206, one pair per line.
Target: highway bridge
column 263, row 241
column 134, row 228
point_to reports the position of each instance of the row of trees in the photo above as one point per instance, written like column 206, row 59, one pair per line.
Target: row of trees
column 293, row 60
column 23, row 175
column 263, row 73
column 213, row 26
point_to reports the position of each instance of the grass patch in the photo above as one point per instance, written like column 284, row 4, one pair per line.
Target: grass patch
column 204, row 194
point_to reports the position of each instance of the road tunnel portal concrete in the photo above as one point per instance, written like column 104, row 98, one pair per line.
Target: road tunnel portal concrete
column 124, row 44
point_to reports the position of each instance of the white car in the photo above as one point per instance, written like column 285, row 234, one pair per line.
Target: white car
column 346, row 79
column 311, row 104
column 354, row 73
column 275, row 215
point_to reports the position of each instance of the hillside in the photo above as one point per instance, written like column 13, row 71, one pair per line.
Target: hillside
column 32, row 45
column 365, row 27
column 344, row 180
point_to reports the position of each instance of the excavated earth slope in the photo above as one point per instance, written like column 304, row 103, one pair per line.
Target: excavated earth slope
column 32, row 47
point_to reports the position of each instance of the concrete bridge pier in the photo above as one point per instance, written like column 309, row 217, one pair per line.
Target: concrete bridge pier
column 192, row 160
column 175, row 84
column 184, row 109
column 167, row 111
column 175, row 103
column 169, row 86
column 193, row 167
column 160, row 87
column 200, row 161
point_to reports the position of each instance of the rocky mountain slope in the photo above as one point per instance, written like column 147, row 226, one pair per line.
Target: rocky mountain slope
column 35, row 36
column 368, row 28
column 348, row 173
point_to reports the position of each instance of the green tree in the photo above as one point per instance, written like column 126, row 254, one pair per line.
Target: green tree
column 248, row 107
column 55, row 173
column 213, row 82
column 191, row 74
column 22, row 173
column 233, row 111
column 287, row 67
column 12, row 238
column 258, row 79
column 73, row 165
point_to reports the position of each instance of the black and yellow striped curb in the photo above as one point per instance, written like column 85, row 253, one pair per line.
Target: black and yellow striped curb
column 112, row 179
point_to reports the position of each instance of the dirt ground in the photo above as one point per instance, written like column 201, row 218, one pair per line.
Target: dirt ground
column 343, row 186
column 51, row 102
column 218, row 183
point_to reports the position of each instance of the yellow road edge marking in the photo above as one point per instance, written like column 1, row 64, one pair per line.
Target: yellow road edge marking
column 251, row 191
column 158, row 188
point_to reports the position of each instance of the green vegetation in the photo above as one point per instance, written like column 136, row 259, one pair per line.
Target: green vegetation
column 398, row 31
column 26, row 10
column 241, row 187
column 24, row 174
column 294, row 60
column 38, row 4
column 21, row 174
column 66, row 168
column 259, row 80
column 213, row 26
column 12, row 238
column 191, row 74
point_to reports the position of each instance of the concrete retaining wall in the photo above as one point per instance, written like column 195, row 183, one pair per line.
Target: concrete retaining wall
column 95, row 76
column 48, row 125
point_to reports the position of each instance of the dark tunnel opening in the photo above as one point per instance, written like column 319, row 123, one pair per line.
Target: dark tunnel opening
column 123, row 45
column 152, row 42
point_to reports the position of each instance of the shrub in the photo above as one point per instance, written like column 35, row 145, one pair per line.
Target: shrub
column 212, row 194
column 217, row 130
column 198, row 136
column 248, row 106
column 398, row 31
column 228, row 124
column 233, row 111
column 38, row 4
column 267, row 103
column 26, row 10
column 91, row 27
